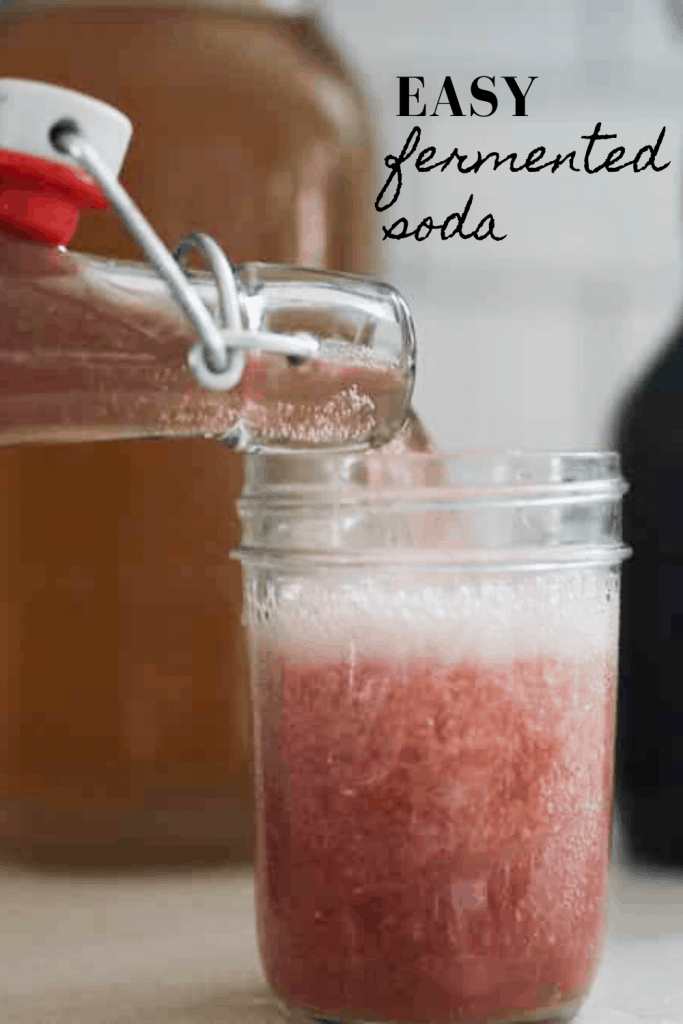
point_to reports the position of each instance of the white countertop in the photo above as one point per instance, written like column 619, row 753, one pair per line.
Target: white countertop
column 180, row 949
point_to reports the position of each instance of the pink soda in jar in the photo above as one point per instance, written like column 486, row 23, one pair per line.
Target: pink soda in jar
column 433, row 662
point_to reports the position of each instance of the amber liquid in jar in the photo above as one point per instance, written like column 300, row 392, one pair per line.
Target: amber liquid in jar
column 125, row 692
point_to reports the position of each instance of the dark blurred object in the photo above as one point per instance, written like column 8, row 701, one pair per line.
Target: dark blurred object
column 125, row 723
column 649, row 767
column 674, row 12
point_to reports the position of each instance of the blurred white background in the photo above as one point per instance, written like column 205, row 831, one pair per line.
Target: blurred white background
column 530, row 341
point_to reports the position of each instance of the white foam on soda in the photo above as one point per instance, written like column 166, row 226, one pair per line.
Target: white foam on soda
column 490, row 618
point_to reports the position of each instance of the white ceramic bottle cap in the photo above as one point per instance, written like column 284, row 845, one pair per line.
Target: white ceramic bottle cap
column 29, row 111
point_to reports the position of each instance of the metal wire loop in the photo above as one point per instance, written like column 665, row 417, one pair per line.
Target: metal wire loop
column 227, row 312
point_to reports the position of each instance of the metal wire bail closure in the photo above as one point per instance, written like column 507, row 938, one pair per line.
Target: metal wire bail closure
column 218, row 361
column 66, row 137
column 200, row 356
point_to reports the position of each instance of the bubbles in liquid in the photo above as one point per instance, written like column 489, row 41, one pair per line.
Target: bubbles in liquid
column 435, row 783
column 566, row 615
column 344, row 396
column 433, row 821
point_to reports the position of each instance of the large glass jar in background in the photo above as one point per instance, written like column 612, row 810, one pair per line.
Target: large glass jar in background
column 124, row 704
column 434, row 655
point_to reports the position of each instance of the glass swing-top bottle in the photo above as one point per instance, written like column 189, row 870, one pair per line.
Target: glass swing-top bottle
column 126, row 735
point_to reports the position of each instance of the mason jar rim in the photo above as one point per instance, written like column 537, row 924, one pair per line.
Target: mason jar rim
column 480, row 510
column 474, row 477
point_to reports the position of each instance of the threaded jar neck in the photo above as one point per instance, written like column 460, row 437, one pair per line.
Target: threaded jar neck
column 484, row 510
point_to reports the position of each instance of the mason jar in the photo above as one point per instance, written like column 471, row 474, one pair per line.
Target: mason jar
column 433, row 660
